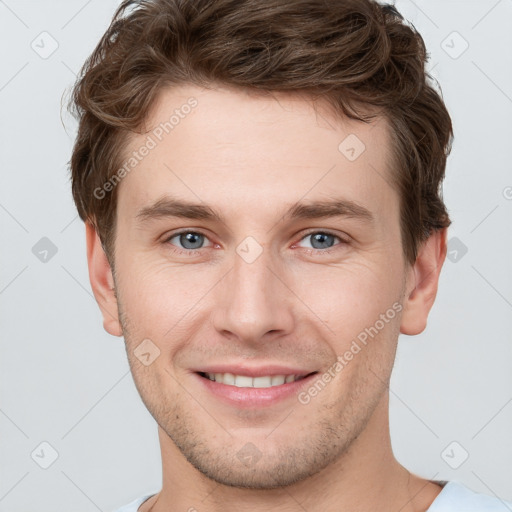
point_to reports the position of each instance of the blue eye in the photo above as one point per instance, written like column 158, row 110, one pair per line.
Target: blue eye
column 321, row 240
column 322, row 243
column 189, row 240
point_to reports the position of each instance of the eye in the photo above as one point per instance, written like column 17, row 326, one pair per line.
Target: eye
column 322, row 241
column 187, row 240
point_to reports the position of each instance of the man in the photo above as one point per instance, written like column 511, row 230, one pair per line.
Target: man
column 260, row 183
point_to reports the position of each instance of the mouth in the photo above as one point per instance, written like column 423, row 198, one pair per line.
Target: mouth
column 246, row 381
column 253, row 388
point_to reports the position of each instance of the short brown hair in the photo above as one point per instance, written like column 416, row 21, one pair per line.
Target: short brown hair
column 355, row 55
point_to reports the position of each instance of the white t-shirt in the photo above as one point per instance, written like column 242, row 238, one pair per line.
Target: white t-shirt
column 455, row 497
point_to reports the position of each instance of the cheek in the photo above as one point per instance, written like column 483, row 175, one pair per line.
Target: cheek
column 160, row 300
column 361, row 305
column 163, row 300
column 351, row 296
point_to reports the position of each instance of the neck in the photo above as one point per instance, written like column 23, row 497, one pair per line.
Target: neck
column 366, row 477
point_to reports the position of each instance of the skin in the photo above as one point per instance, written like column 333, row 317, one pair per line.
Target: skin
column 290, row 306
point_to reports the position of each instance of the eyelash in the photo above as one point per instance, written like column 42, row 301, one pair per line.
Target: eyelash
column 311, row 251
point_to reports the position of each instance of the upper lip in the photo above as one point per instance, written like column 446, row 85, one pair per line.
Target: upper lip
column 254, row 371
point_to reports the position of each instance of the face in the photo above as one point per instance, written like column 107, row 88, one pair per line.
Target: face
column 254, row 242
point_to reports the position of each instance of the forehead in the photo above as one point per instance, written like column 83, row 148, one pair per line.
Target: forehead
column 215, row 145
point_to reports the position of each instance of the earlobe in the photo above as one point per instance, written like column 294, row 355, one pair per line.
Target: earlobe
column 102, row 282
column 422, row 283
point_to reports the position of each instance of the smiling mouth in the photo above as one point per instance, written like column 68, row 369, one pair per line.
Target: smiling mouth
column 245, row 381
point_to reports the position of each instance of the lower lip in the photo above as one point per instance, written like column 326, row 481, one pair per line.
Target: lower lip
column 254, row 397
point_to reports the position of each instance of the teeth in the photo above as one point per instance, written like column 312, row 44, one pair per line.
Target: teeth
column 243, row 381
column 278, row 380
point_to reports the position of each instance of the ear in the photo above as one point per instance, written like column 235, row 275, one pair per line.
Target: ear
column 421, row 283
column 102, row 282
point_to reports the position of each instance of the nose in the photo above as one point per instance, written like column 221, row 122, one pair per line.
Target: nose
column 253, row 302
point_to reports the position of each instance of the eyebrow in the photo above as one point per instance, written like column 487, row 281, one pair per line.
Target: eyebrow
column 170, row 207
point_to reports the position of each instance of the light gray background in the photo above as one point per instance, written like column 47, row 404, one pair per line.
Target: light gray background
column 66, row 382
